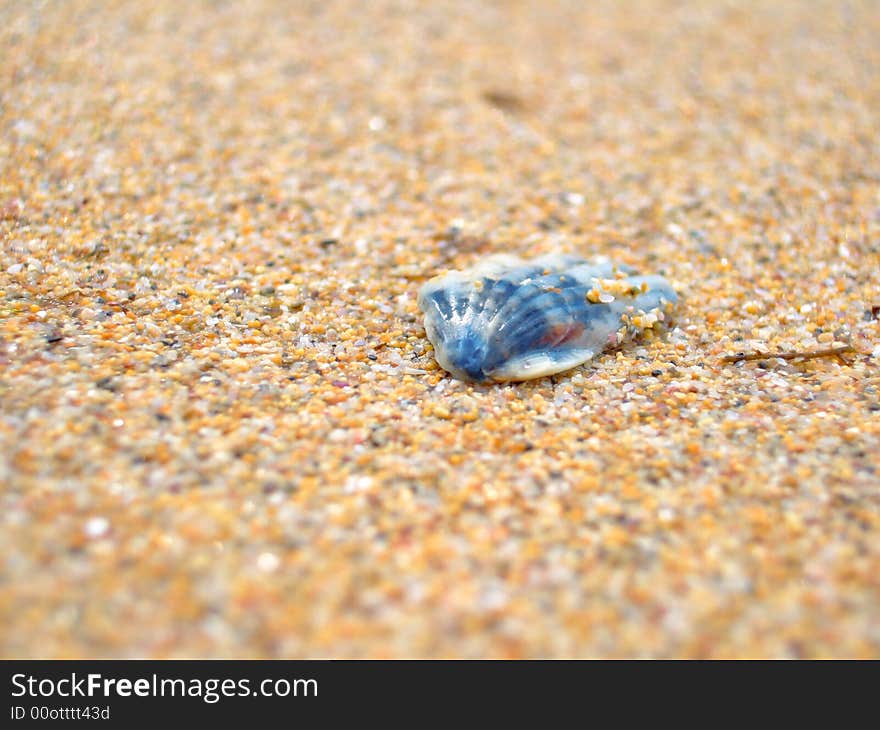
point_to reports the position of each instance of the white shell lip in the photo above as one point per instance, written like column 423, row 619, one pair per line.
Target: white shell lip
column 509, row 319
column 532, row 367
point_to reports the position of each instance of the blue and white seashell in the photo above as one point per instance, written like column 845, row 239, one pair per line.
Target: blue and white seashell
column 509, row 319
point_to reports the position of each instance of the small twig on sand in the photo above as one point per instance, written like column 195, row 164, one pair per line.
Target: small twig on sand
column 838, row 351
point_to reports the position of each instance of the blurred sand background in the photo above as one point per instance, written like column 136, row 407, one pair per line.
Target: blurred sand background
column 222, row 430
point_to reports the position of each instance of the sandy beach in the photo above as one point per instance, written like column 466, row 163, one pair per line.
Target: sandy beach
column 223, row 432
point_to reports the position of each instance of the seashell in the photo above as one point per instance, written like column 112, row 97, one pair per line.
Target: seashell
column 509, row 319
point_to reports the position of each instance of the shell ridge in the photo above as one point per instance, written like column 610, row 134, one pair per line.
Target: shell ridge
column 491, row 292
column 545, row 313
